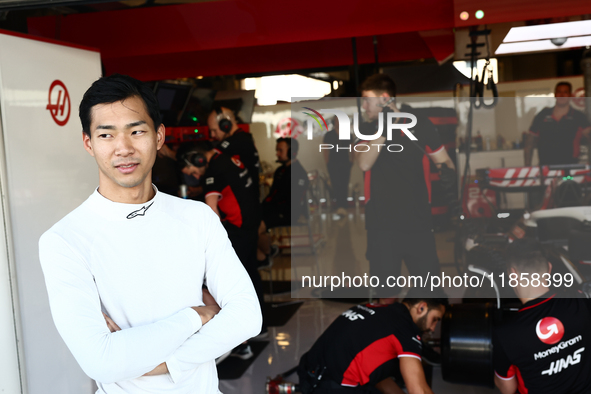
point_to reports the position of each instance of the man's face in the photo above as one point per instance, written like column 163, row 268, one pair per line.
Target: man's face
column 563, row 95
column 281, row 151
column 428, row 319
column 123, row 142
column 196, row 172
column 372, row 102
column 214, row 127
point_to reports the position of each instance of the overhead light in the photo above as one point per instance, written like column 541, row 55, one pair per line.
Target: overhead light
column 479, row 14
column 558, row 41
column 249, row 84
column 549, row 31
column 546, row 37
column 542, row 45
column 320, row 75
column 464, row 15
column 271, row 89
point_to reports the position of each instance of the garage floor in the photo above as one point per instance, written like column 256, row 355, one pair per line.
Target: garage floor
column 289, row 342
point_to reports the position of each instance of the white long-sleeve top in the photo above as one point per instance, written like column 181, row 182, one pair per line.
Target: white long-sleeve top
column 144, row 266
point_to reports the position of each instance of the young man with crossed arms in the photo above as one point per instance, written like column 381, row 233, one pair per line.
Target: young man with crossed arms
column 122, row 256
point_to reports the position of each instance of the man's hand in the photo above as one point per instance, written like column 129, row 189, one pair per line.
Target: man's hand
column 206, row 312
column 111, row 324
column 506, row 386
column 414, row 376
column 159, row 370
column 210, row 309
column 208, row 299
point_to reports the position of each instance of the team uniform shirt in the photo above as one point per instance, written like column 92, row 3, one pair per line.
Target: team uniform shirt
column 362, row 346
column 546, row 346
column 397, row 188
column 228, row 178
column 120, row 259
column 285, row 201
column 559, row 140
column 338, row 161
column 240, row 145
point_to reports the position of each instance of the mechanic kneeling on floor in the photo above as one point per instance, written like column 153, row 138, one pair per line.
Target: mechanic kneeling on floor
column 367, row 344
column 545, row 347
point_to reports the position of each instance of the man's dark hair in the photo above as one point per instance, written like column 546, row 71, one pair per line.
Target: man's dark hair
column 379, row 83
column 564, row 83
column 187, row 150
column 434, row 298
column 115, row 88
column 292, row 144
column 526, row 255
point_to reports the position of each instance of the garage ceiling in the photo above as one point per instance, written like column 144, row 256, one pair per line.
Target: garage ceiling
column 238, row 37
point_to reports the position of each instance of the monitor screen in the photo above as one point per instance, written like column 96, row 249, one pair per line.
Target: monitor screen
column 172, row 99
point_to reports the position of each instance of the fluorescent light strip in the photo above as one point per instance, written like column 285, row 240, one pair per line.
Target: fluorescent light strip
column 552, row 30
column 541, row 45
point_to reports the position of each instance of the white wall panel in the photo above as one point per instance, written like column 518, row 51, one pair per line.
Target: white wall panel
column 45, row 174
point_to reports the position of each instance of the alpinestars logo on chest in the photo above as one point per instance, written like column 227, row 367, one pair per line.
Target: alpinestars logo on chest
column 139, row 212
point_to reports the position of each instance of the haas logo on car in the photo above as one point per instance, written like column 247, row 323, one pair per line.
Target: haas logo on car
column 550, row 330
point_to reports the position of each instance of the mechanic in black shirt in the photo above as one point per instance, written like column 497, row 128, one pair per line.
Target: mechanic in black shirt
column 290, row 179
column 397, row 189
column 557, row 131
column 339, row 164
column 367, row 344
column 234, row 142
column 229, row 191
column 545, row 347
column 278, row 208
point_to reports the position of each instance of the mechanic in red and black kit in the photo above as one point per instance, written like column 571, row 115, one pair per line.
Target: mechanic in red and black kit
column 545, row 348
column 397, row 188
column 230, row 192
column 234, row 142
column 368, row 344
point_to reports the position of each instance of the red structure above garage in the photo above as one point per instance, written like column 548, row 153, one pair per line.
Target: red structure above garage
column 236, row 37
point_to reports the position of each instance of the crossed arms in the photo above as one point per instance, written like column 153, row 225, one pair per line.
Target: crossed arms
column 181, row 340
column 206, row 313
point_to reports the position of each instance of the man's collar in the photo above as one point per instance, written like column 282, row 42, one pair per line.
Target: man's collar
column 121, row 211
column 538, row 301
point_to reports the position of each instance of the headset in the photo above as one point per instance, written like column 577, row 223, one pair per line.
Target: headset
column 291, row 143
column 194, row 158
column 224, row 121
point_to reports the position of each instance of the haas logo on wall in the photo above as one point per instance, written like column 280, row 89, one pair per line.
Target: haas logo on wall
column 550, row 330
column 288, row 127
column 58, row 103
